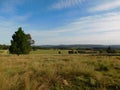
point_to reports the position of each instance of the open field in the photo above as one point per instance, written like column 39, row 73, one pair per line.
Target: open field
column 52, row 71
column 49, row 51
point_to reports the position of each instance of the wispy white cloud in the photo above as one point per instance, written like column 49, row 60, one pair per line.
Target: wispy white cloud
column 9, row 26
column 95, row 23
column 104, row 6
column 10, row 20
column 97, row 29
column 60, row 4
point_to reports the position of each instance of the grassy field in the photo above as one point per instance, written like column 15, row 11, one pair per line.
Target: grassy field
column 48, row 70
column 51, row 51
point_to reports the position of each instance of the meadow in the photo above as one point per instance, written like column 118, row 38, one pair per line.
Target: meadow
column 48, row 70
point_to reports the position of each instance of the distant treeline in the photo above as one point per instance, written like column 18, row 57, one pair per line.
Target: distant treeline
column 4, row 47
column 77, row 47
column 80, row 48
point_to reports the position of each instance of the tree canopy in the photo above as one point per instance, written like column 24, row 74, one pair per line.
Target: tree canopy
column 20, row 43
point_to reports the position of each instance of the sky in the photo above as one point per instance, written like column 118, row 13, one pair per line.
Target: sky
column 55, row 22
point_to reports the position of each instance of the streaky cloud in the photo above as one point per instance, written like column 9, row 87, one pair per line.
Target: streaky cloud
column 106, row 6
column 61, row 4
column 96, row 29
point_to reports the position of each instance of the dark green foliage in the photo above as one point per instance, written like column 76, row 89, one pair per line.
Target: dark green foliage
column 4, row 47
column 20, row 43
column 29, row 38
column 59, row 52
column 110, row 50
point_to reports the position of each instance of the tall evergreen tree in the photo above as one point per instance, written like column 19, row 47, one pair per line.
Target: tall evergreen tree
column 20, row 43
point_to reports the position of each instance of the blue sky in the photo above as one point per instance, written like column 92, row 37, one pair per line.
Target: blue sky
column 62, row 21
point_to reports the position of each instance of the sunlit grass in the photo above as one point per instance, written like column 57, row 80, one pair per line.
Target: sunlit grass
column 59, row 72
column 51, row 51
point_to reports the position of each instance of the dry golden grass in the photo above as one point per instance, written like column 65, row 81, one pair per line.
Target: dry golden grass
column 59, row 72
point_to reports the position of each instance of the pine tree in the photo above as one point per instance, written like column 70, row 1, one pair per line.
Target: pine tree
column 20, row 43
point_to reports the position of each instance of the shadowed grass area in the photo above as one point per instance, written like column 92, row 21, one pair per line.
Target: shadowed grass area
column 59, row 72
